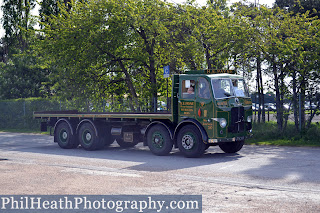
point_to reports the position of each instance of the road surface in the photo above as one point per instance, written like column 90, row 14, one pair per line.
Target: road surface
column 257, row 179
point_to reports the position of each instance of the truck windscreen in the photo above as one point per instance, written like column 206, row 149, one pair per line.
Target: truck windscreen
column 240, row 88
column 224, row 88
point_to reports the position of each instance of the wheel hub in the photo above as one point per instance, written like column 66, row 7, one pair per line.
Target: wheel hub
column 64, row 135
column 88, row 136
column 187, row 142
column 158, row 140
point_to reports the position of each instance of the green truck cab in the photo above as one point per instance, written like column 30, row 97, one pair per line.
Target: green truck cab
column 209, row 108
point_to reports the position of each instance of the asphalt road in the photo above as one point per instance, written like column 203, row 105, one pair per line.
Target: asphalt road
column 257, row 179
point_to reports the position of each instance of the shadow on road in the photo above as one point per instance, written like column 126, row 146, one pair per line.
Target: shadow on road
column 43, row 144
column 292, row 164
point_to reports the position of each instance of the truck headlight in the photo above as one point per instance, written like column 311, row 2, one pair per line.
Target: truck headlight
column 223, row 122
column 249, row 119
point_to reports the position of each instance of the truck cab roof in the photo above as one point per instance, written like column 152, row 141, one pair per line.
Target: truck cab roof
column 213, row 73
column 218, row 76
column 224, row 75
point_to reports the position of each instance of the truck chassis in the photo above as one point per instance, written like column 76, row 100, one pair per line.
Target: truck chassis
column 95, row 131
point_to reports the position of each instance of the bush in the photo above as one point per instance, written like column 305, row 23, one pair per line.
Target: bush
column 313, row 133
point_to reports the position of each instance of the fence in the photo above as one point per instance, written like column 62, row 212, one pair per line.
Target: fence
column 18, row 114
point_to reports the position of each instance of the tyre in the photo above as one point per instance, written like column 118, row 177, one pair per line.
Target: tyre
column 88, row 138
column 107, row 141
column 207, row 146
column 190, row 142
column 104, row 139
column 124, row 144
column 64, row 136
column 231, row 147
column 159, row 141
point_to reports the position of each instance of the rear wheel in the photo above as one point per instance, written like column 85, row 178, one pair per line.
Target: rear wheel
column 190, row 142
column 231, row 147
column 107, row 141
column 159, row 140
column 64, row 136
column 88, row 138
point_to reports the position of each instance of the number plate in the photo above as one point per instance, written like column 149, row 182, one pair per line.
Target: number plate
column 128, row 137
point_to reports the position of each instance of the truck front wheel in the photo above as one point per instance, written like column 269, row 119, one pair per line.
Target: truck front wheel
column 159, row 140
column 190, row 142
column 88, row 138
column 231, row 147
column 64, row 136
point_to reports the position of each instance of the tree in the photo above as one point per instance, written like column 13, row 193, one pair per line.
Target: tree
column 249, row 50
column 98, row 45
column 21, row 77
column 17, row 22
column 20, row 74
column 300, row 6
column 287, row 44
column 291, row 43
column 51, row 7
column 214, row 34
column 148, row 21
column 83, row 47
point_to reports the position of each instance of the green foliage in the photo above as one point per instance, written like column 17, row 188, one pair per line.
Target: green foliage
column 21, row 74
column 288, row 45
column 50, row 7
column 300, row 6
column 117, row 48
column 95, row 55
column 21, row 77
column 98, row 52
column 17, row 21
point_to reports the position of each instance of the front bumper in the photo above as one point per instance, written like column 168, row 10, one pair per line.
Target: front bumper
column 223, row 140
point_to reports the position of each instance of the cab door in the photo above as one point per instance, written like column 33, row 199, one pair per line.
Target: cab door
column 204, row 105
column 187, row 97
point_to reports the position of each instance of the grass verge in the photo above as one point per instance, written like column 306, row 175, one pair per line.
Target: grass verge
column 268, row 134
column 24, row 131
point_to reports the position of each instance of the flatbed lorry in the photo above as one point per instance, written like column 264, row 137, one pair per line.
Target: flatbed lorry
column 208, row 108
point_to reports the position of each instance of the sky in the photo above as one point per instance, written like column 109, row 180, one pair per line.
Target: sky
column 201, row 2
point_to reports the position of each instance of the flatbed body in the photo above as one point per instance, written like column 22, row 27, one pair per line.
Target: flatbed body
column 103, row 115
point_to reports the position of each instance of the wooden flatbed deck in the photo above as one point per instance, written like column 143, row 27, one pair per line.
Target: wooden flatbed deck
column 106, row 115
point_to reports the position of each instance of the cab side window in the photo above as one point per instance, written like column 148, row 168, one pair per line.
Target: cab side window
column 188, row 89
column 204, row 89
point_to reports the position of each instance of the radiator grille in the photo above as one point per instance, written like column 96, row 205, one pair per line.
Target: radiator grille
column 237, row 120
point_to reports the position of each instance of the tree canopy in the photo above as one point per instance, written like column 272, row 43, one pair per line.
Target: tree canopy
column 113, row 50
